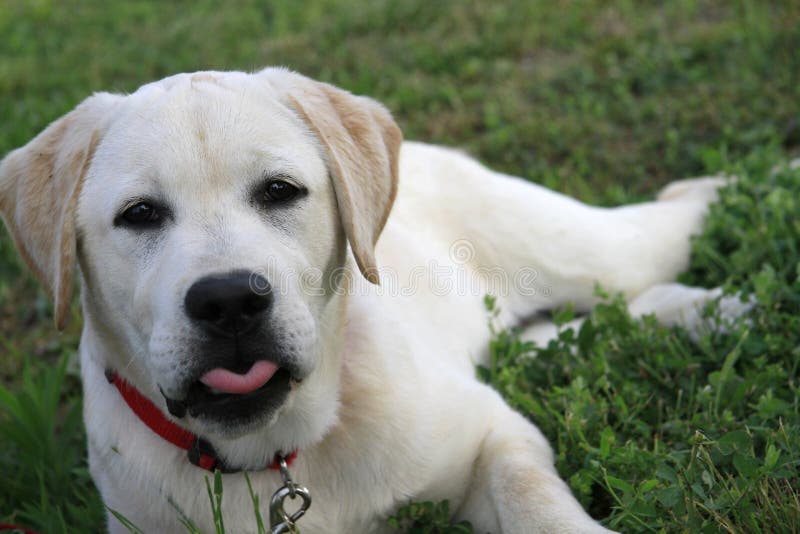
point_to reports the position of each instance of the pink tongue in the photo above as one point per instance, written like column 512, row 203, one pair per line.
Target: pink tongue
column 230, row 382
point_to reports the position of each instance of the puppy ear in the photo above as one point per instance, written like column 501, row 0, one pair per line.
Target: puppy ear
column 39, row 188
column 363, row 145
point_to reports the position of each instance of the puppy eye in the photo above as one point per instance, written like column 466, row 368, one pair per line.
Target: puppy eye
column 280, row 191
column 141, row 214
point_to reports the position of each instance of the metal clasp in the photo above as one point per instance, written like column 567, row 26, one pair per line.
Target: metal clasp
column 280, row 521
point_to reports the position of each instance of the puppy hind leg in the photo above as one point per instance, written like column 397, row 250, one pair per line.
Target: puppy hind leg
column 704, row 190
column 671, row 304
column 680, row 305
column 554, row 249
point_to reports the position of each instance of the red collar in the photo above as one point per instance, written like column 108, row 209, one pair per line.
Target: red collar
column 199, row 451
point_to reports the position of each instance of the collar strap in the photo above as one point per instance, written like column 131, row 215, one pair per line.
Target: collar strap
column 199, row 451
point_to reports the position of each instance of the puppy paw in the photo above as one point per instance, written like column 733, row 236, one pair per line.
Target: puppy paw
column 731, row 307
column 695, row 189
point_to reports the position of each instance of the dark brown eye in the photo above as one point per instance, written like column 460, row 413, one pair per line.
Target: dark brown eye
column 141, row 214
column 281, row 191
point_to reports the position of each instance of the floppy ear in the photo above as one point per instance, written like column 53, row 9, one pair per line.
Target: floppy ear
column 39, row 188
column 363, row 144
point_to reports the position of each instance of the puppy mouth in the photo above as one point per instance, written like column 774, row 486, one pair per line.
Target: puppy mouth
column 224, row 395
column 221, row 380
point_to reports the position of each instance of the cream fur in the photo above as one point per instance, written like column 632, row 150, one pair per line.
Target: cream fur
column 391, row 410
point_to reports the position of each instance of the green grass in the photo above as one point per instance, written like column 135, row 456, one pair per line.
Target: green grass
column 659, row 433
column 607, row 102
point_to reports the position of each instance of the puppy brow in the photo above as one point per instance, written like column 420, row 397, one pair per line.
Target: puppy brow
column 284, row 171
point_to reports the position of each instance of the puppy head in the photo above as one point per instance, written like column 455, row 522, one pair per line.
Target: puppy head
column 210, row 214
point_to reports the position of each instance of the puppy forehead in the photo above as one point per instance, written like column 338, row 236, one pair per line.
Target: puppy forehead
column 219, row 128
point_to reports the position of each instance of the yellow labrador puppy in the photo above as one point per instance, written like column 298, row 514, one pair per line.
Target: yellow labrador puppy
column 270, row 274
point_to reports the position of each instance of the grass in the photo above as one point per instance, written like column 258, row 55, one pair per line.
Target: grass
column 661, row 434
column 604, row 101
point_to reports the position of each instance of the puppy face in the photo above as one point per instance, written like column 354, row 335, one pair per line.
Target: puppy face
column 210, row 215
column 202, row 178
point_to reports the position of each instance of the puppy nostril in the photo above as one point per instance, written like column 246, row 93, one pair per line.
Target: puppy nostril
column 227, row 303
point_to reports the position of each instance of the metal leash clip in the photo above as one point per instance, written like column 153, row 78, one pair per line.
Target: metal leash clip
column 280, row 521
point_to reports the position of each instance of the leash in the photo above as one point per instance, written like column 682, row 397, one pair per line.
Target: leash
column 202, row 454
column 280, row 521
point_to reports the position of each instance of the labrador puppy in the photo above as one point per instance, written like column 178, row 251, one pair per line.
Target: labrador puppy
column 269, row 273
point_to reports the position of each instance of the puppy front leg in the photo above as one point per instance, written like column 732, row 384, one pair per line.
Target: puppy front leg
column 516, row 489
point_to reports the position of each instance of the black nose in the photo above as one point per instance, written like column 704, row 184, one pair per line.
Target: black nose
column 228, row 304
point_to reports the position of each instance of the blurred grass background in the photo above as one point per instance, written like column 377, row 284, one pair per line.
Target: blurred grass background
column 603, row 100
column 607, row 101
